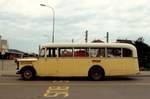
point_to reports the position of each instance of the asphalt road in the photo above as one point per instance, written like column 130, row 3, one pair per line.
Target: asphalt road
column 75, row 88
column 12, row 87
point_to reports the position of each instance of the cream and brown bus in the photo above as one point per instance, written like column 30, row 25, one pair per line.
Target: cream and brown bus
column 93, row 60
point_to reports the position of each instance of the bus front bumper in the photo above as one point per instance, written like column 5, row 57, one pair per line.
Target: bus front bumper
column 18, row 71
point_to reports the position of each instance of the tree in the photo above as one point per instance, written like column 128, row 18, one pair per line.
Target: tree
column 97, row 41
column 143, row 51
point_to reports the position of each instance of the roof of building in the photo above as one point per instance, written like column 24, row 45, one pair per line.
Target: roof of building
column 15, row 51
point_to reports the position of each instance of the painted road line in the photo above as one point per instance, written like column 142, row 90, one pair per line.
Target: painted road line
column 54, row 91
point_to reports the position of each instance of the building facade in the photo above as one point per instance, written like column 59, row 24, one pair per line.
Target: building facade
column 3, row 46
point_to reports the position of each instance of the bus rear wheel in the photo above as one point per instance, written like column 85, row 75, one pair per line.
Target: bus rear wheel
column 96, row 73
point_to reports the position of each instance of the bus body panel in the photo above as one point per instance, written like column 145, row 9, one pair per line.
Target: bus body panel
column 46, row 66
column 76, row 66
column 123, row 66
column 80, row 66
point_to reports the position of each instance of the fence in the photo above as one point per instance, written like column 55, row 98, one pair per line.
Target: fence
column 7, row 67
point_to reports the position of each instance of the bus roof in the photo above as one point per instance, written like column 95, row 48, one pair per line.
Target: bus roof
column 91, row 45
column 82, row 45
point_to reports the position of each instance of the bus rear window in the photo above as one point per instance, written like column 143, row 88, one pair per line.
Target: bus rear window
column 127, row 52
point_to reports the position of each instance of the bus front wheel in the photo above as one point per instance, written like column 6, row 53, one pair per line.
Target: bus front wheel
column 27, row 74
column 96, row 73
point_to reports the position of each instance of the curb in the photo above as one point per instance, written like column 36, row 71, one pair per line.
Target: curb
column 144, row 74
column 5, row 75
column 8, row 74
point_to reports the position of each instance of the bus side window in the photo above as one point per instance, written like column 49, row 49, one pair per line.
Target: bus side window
column 100, row 52
column 97, row 52
column 65, row 52
column 51, row 52
column 113, row 52
column 127, row 52
column 81, row 52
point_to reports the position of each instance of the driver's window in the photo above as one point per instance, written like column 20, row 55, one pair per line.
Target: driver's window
column 42, row 52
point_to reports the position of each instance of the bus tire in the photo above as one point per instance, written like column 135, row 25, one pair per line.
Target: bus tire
column 28, row 73
column 96, row 73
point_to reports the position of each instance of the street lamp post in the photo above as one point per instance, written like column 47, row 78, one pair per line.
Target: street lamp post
column 53, row 19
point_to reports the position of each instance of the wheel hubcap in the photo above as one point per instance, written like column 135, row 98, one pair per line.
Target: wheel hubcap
column 28, row 74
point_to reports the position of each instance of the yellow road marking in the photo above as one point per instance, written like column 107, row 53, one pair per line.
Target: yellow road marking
column 60, row 81
column 54, row 91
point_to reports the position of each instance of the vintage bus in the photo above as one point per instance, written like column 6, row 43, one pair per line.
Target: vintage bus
column 93, row 60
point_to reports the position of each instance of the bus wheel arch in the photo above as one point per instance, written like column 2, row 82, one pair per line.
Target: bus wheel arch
column 28, row 73
column 96, row 73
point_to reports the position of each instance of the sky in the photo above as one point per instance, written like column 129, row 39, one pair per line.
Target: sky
column 26, row 24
